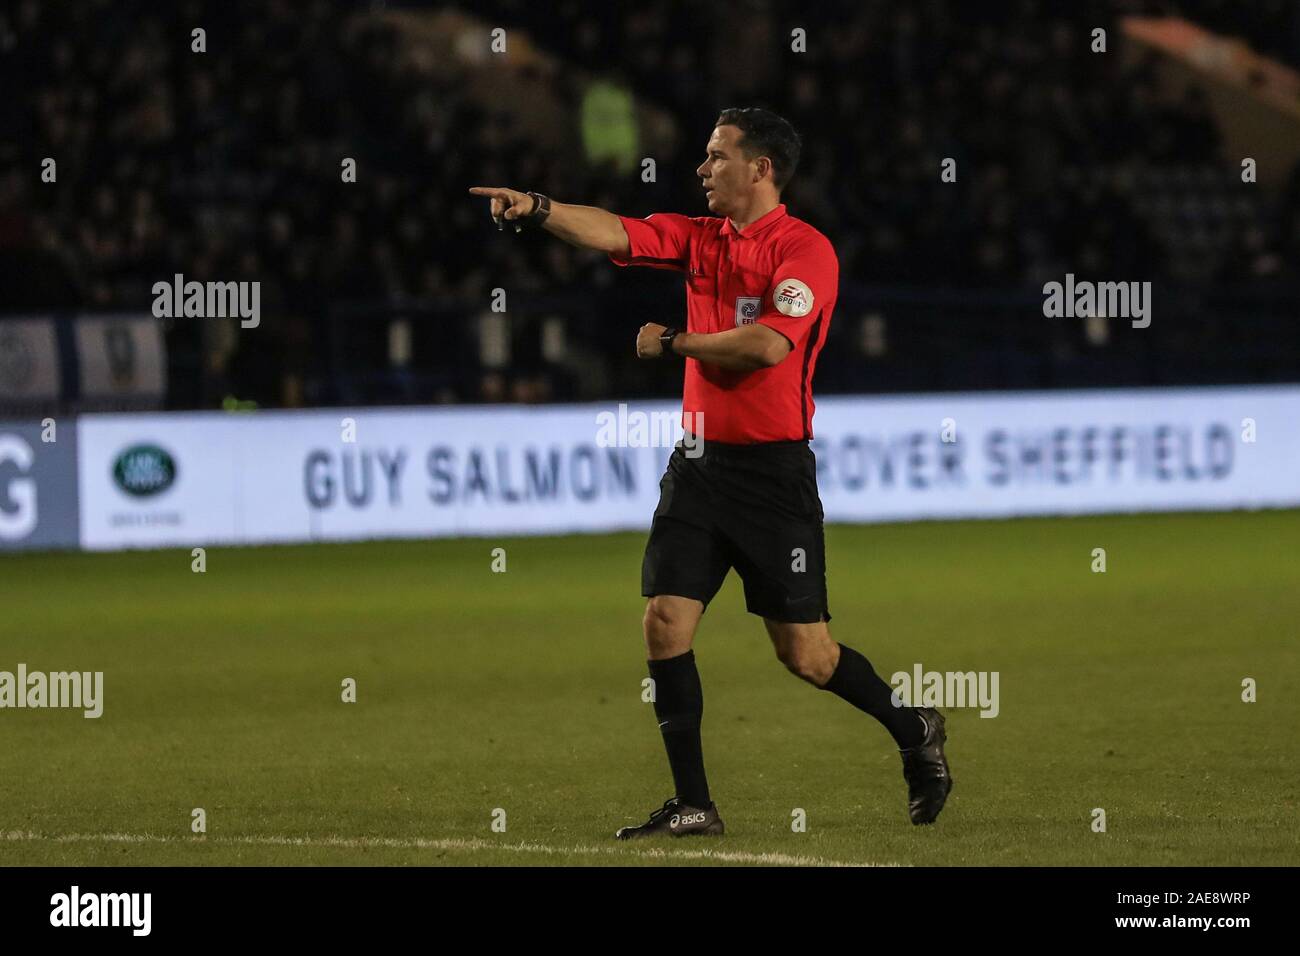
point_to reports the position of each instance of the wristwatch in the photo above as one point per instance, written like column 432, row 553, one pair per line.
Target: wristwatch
column 666, row 341
column 541, row 209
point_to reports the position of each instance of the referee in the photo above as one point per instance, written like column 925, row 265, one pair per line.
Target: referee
column 761, row 288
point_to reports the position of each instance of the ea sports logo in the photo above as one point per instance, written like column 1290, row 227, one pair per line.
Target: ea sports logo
column 793, row 298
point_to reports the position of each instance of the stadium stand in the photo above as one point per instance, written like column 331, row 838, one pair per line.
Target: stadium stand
column 376, row 291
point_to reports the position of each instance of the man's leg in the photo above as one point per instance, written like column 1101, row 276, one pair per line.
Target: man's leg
column 669, row 626
column 810, row 653
column 683, row 568
column 778, row 546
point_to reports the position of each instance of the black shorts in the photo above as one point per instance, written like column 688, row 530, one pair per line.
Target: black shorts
column 754, row 508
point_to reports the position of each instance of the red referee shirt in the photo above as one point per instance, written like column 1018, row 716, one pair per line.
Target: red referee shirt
column 779, row 271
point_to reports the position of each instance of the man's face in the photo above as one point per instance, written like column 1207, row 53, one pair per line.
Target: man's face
column 725, row 172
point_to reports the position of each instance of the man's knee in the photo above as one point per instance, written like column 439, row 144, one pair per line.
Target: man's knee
column 809, row 656
column 801, row 664
column 669, row 625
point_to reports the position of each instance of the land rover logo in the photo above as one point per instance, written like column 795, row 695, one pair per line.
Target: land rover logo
column 144, row 470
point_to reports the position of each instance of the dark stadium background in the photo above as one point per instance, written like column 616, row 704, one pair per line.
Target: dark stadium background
column 225, row 166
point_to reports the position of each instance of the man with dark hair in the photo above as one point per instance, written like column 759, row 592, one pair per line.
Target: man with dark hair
column 763, row 133
column 761, row 287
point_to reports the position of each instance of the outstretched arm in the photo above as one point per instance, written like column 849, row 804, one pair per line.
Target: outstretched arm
column 741, row 349
column 585, row 226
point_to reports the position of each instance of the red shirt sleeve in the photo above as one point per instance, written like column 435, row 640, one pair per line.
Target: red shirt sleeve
column 661, row 241
column 806, row 282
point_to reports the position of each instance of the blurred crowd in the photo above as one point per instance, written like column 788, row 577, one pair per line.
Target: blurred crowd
column 1047, row 135
column 226, row 165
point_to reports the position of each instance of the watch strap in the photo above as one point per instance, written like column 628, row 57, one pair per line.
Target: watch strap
column 666, row 340
column 541, row 209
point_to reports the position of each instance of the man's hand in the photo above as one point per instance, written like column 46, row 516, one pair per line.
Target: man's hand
column 648, row 345
column 584, row 226
column 506, row 203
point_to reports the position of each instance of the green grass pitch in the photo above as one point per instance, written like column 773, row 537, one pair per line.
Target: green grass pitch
column 522, row 691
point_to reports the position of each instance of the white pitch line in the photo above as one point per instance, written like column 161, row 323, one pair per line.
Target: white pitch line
column 416, row 843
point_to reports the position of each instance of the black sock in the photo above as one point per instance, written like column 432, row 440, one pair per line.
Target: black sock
column 856, row 682
column 679, row 705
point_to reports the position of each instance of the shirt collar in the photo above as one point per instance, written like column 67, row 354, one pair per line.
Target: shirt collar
column 755, row 227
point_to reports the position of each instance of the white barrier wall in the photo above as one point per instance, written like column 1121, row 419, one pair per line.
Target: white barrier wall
column 180, row 479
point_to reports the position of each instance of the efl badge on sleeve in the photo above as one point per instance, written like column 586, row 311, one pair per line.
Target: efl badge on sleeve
column 747, row 309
